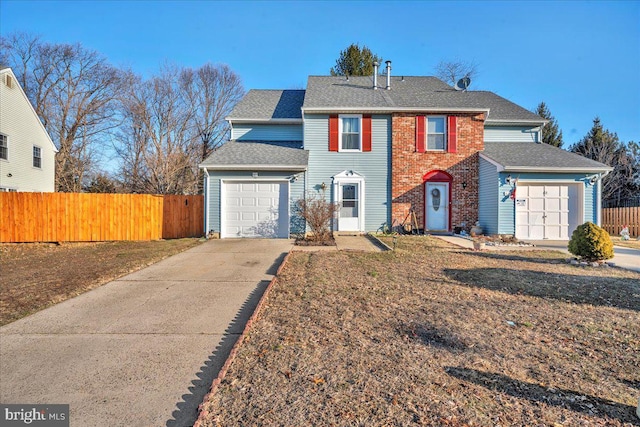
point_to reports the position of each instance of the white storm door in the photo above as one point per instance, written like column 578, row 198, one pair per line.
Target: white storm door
column 349, row 203
column 437, row 206
column 255, row 209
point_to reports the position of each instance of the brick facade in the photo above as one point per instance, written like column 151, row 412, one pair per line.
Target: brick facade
column 408, row 168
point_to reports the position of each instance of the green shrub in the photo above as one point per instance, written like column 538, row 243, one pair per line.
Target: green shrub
column 591, row 242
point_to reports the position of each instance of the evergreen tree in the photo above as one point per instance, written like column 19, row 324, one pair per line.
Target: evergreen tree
column 550, row 132
column 355, row 61
column 604, row 146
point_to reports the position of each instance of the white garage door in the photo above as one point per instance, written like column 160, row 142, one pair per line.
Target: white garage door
column 547, row 211
column 255, row 209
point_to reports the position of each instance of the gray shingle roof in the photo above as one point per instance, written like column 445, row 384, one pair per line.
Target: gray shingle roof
column 535, row 156
column 334, row 93
column 263, row 154
column 269, row 104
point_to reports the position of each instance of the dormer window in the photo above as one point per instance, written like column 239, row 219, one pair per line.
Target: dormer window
column 350, row 135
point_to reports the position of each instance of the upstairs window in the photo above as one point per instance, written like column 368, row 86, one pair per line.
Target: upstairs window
column 37, row 157
column 4, row 147
column 436, row 133
column 350, row 136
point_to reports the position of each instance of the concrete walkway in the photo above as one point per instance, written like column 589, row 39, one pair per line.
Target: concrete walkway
column 626, row 258
column 142, row 350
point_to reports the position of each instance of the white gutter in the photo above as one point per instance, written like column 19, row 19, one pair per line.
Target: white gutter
column 264, row 121
column 392, row 109
column 256, row 167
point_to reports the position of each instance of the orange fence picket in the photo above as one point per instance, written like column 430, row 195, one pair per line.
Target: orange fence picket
column 614, row 219
column 88, row 217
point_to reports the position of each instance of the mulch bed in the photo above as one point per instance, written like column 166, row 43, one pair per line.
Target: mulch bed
column 34, row 276
column 431, row 334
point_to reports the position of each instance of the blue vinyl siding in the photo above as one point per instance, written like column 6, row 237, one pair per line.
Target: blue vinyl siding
column 262, row 132
column 488, row 197
column 506, row 206
column 373, row 165
column 510, row 134
column 296, row 191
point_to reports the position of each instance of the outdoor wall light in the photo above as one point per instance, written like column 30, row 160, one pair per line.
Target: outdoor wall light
column 464, row 185
column 323, row 186
column 508, row 179
column 9, row 175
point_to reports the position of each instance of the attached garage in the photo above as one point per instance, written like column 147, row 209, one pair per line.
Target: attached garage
column 535, row 191
column 251, row 189
column 255, row 209
column 548, row 211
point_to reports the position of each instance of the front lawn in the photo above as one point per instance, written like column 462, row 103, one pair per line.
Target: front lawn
column 633, row 243
column 34, row 276
column 432, row 334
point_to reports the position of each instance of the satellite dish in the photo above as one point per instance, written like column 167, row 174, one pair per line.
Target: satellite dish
column 463, row 83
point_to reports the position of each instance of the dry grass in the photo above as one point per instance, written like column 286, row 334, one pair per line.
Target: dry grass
column 633, row 243
column 35, row 276
column 435, row 335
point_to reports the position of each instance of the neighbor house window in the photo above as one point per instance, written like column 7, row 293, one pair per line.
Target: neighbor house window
column 436, row 133
column 4, row 147
column 37, row 157
column 350, row 135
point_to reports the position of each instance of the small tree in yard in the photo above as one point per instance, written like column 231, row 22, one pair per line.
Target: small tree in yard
column 591, row 242
column 318, row 212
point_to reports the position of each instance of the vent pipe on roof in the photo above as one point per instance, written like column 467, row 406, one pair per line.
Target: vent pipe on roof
column 375, row 75
column 388, row 74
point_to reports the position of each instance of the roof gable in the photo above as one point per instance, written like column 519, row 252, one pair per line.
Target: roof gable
column 7, row 71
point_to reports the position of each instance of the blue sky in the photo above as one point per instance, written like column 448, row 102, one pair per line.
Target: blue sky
column 581, row 58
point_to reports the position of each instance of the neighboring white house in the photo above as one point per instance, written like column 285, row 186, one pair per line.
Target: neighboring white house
column 27, row 153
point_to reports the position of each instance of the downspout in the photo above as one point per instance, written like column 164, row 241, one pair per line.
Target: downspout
column 599, row 198
column 206, row 202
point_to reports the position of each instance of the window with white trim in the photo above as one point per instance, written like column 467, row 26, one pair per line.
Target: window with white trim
column 4, row 147
column 436, row 133
column 37, row 157
column 350, row 132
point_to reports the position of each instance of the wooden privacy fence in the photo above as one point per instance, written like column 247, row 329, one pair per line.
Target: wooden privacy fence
column 613, row 219
column 90, row 217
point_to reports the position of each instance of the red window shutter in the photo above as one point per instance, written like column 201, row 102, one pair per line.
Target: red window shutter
column 452, row 143
column 333, row 132
column 420, row 135
column 366, row 132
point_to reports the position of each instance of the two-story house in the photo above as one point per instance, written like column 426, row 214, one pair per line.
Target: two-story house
column 27, row 154
column 384, row 151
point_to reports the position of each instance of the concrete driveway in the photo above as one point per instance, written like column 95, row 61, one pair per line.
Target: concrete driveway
column 141, row 350
column 627, row 258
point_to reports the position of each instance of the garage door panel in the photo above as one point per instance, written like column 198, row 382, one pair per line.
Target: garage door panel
column 545, row 213
column 255, row 209
column 536, row 204
column 536, row 191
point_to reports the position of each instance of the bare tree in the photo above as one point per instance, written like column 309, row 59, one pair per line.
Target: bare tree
column 452, row 71
column 212, row 90
column 171, row 123
column 73, row 91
